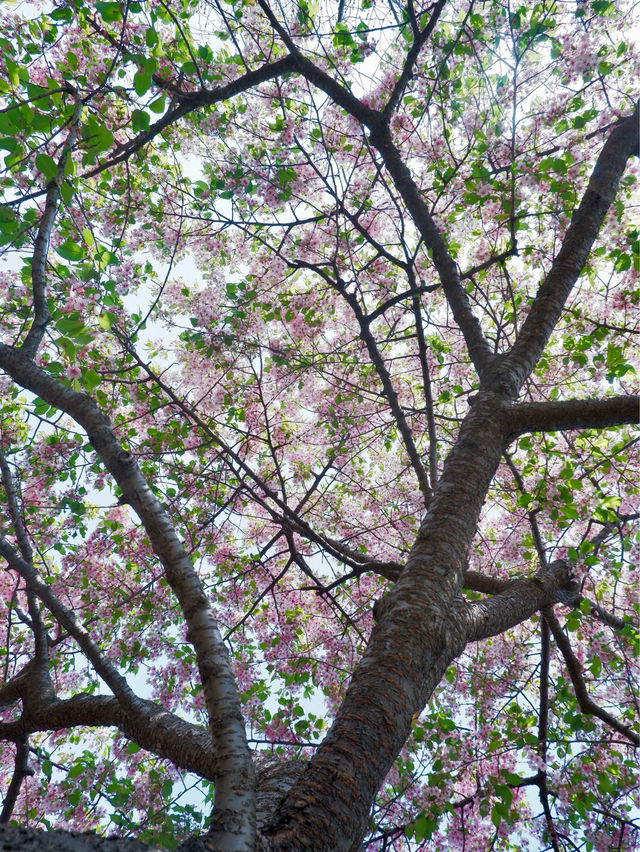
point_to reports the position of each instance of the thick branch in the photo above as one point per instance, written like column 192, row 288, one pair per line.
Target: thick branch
column 476, row 582
column 151, row 726
column 235, row 776
column 18, row 838
column 520, row 600
column 573, row 414
column 419, row 629
column 576, row 246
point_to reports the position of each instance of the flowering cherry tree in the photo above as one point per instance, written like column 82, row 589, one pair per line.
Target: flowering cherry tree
column 316, row 442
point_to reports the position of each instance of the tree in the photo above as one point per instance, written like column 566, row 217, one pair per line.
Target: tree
column 317, row 470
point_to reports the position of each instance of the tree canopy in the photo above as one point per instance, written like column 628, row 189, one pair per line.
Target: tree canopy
column 318, row 477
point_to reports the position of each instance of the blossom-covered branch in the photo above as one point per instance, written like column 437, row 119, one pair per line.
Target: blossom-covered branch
column 225, row 718
column 622, row 144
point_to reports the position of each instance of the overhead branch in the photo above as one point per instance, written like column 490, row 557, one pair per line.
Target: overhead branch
column 543, row 732
column 491, row 261
column 14, row 509
column 188, row 102
column 531, row 513
column 20, row 772
column 412, row 293
column 623, row 143
column 479, row 350
column 420, row 39
column 151, row 726
column 235, row 779
column 416, row 305
column 289, row 518
column 389, row 390
column 378, row 125
column 520, row 600
column 603, row 615
column 476, row 582
column 183, row 104
column 43, row 237
column 325, row 82
column 587, row 704
column 41, row 645
column 67, row 619
column 40, row 676
column 13, row 689
column 573, row 414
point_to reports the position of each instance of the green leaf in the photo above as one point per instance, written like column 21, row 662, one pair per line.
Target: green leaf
column 74, row 329
column 90, row 379
column 74, row 796
column 107, row 320
column 505, row 793
column 151, row 37
column 141, row 82
column 500, row 811
column 108, row 258
column 342, row 37
column 109, row 12
column 9, row 225
column 422, row 828
column 66, row 191
column 139, row 121
column 47, row 165
column 158, row 105
column 12, row 71
column 601, row 7
column 573, row 621
column 623, row 263
column 61, row 14
column 40, row 407
column 70, row 250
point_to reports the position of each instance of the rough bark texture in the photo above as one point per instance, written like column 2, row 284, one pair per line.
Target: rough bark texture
column 16, row 838
column 421, row 625
column 418, row 632
column 234, row 777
